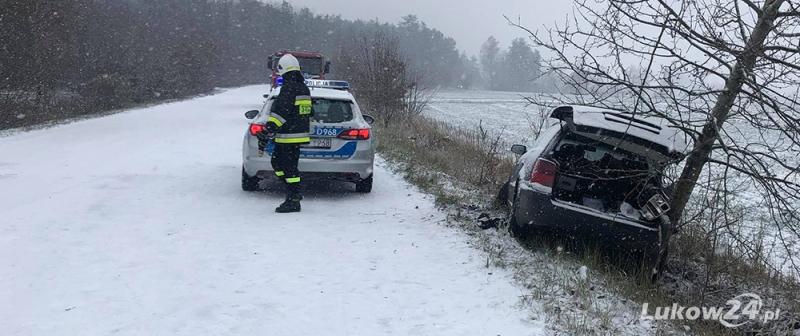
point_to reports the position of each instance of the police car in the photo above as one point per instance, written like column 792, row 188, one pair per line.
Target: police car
column 342, row 143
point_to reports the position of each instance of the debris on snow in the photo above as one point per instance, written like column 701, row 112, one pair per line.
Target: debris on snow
column 486, row 222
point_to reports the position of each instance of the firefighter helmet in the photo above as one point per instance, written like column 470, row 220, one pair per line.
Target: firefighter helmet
column 288, row 63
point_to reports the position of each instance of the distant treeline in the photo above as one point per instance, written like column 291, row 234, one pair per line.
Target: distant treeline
column 517, row 69
column 60, row 59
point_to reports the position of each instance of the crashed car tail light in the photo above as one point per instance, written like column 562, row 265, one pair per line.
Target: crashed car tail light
column 255, row 128
column 655, row 207
column 544, row 172
column 355, row 134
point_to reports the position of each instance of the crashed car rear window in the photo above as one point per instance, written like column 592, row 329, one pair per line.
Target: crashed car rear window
column 574, row 146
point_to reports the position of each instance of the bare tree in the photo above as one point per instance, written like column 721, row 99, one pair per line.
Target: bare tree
column 382, row 78
column 419, row 92
column 376, row 69
column 724, row 72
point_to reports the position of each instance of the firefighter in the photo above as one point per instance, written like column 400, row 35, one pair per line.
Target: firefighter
column 288, row 126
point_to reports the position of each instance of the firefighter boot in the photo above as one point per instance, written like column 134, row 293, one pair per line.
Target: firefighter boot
column 293, row 198
column 289, row 205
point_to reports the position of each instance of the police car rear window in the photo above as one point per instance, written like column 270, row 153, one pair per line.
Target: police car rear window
column 327, row 111
column 332, row 111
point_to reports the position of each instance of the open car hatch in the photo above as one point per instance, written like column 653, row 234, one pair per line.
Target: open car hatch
column 649, row 137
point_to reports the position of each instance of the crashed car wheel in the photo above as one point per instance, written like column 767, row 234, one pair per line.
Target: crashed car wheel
column 502, row 195
column 516, row 230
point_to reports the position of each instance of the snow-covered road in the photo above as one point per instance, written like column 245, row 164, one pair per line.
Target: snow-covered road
column 135, row 224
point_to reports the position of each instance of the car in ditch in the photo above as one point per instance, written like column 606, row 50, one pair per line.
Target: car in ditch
column 597, row 173
column 342, row 142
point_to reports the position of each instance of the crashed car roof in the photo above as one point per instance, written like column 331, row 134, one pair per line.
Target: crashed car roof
column 657, row 130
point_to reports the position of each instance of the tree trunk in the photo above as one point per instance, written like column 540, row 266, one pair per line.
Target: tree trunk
column 719, row 114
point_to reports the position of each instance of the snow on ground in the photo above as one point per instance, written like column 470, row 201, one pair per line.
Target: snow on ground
column 135, row 224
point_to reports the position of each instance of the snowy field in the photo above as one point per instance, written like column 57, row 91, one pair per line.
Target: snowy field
column 507, row 114
column 135, row 224
column 501, row 113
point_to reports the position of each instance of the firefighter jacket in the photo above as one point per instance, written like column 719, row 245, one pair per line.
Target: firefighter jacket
column 291, row 111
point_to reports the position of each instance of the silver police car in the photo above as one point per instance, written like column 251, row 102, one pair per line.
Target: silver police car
column 342, row 143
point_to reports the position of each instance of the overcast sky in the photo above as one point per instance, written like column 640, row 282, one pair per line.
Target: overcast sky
column 469, row 22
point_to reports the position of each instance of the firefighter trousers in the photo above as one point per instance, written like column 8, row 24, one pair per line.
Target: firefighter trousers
column 284, row 161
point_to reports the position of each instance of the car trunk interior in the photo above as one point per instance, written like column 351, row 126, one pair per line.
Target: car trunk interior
column 604, row 178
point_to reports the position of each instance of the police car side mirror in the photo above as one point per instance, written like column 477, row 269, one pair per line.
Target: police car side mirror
column 251, row 114
column 369, row 119
column 519, row 149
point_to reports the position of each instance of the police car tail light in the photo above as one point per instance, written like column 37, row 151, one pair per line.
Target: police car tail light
column 355, row 134
column 544, row 172
column 255, row 128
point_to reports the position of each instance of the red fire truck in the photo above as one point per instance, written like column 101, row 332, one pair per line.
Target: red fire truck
column 312, row 64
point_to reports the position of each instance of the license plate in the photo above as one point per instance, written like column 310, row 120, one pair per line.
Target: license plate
column 319, row 143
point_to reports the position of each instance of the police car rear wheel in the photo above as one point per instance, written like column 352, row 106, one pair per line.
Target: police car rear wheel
column 249, row 183
column 364, row 186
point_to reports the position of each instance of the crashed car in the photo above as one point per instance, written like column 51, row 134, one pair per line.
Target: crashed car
column 598, row 173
